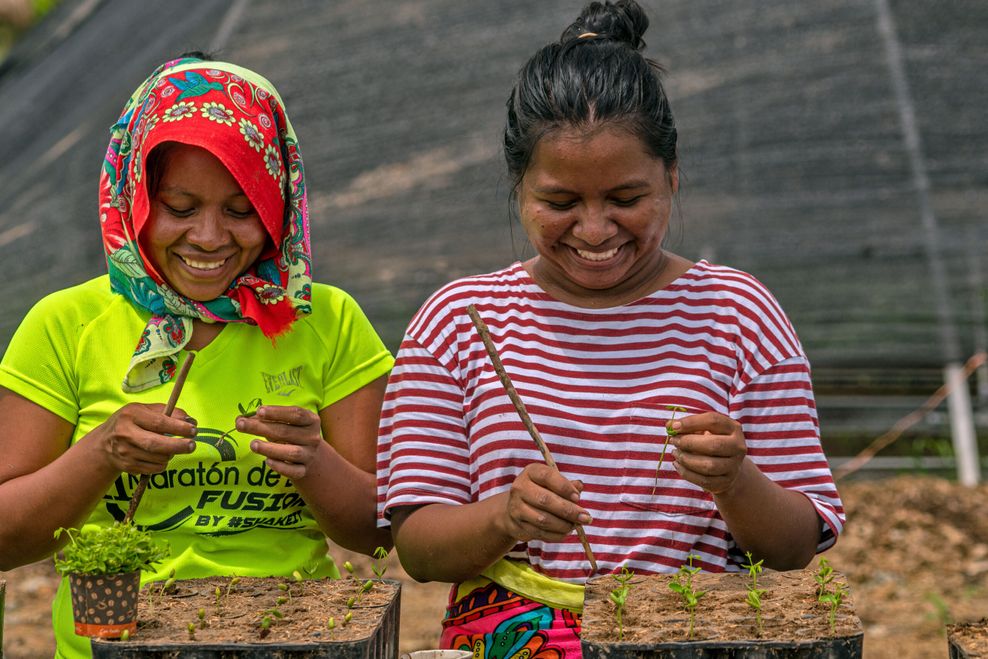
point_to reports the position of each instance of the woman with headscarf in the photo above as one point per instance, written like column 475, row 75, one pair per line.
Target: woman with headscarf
column 271, row 446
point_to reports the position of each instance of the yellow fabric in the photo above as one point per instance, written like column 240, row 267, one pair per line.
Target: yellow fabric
column 520, row 578
column 221, row 510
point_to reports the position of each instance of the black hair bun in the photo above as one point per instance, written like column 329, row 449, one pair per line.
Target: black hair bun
column 623, row 21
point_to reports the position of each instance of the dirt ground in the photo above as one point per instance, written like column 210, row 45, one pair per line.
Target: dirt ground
column 915, row 553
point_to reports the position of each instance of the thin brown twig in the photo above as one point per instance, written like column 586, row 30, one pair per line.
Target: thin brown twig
column 142, row 484
column 906, row 422
column 516, row 400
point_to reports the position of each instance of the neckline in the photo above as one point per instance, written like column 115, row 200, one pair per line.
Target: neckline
column 519, row 269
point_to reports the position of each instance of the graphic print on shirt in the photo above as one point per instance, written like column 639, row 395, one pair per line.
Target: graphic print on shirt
column 222, row 488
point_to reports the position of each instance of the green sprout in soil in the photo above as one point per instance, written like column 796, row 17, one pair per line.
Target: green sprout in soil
column 833, row 600
column 191, row 628
column 670, row 433
column 754, row 597
column 683, row 584
column 823, row 577
column 380, row 566
column 159, row 589
column 201, row 614
column 620, row 597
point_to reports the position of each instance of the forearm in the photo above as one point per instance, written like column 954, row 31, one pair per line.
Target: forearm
column 439, row 542
column 61, row 494
column 775, row 524
column 342, row 498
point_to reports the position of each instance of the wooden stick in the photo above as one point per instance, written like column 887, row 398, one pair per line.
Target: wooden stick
column 485, row 336
column 142, row 484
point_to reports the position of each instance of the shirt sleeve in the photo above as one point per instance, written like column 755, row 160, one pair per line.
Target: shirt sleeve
column 423, row 452
column 778, row 415
column 358, row 356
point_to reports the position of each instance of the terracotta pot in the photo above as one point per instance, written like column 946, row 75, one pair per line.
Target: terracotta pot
column 968, row 640
column 105, row 605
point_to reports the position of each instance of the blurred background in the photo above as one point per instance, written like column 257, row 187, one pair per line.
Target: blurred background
column 836, row 149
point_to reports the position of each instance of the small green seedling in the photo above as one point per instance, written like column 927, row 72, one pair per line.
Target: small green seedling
column 670, row 433
column 380, row 563
column 201, row 614
column 823, row 577
column 247, row 411
column 833, row 600
column 754, row 596
column 191, row 629
column 620, row 597
column 683, row 584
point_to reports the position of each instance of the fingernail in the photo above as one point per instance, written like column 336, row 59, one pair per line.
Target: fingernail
column 253, row 447
column 240, row 423
column 584, row 518
column 189, row 419
column 192, row 447
column 676, row 425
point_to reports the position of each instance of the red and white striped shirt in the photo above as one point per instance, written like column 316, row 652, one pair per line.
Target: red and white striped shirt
column 599, row 384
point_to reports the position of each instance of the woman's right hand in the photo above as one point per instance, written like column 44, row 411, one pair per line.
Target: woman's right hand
column 140, row 439
column 544, row 505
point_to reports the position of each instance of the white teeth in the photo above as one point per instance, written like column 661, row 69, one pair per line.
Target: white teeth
column 203, row 265
column 597, row 256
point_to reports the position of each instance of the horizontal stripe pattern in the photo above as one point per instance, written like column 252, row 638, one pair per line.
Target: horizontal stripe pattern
column 598, row 384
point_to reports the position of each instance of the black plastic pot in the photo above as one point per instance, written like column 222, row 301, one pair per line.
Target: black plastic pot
column 968, row 640
column 382, row 643
column 846, row 647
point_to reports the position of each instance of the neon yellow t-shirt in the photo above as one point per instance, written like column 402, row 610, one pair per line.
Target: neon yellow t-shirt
column 221, row 510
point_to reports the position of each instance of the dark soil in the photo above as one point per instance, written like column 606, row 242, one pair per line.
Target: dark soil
column 655, row 614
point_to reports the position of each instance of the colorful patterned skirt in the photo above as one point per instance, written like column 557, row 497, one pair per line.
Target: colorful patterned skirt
column 496, row 623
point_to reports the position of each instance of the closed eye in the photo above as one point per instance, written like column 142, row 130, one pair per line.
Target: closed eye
column 179, row 212
column 629, row 201
column 240, row 214
column 560, row 205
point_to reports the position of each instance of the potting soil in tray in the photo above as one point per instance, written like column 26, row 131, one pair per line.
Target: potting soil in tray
column 654, row 613
column 235, row 616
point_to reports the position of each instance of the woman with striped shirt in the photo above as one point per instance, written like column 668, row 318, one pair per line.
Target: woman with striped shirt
column 673, row 395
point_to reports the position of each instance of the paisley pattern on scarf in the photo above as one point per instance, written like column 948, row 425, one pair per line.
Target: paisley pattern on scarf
column 237, row 116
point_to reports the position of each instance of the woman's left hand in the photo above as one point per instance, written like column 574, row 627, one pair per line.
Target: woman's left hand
column 294, row 437
column 710, row 450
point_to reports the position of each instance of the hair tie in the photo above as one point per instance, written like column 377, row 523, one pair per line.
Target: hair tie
column 587, row 34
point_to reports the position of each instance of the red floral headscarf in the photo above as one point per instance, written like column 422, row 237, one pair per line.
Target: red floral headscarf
column 237, row 116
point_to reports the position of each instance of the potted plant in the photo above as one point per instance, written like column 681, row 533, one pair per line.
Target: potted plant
column 703, row 615
column 103, row 566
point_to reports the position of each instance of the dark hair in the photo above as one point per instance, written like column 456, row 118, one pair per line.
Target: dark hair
column 594, row 74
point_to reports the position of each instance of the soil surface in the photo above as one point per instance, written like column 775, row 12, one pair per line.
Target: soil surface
column 655, row 614
column 915, row 553
column 971, row 637
column 233, row 614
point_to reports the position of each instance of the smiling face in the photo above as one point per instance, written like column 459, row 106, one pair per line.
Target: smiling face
column 596, row 206
column 201, row 231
